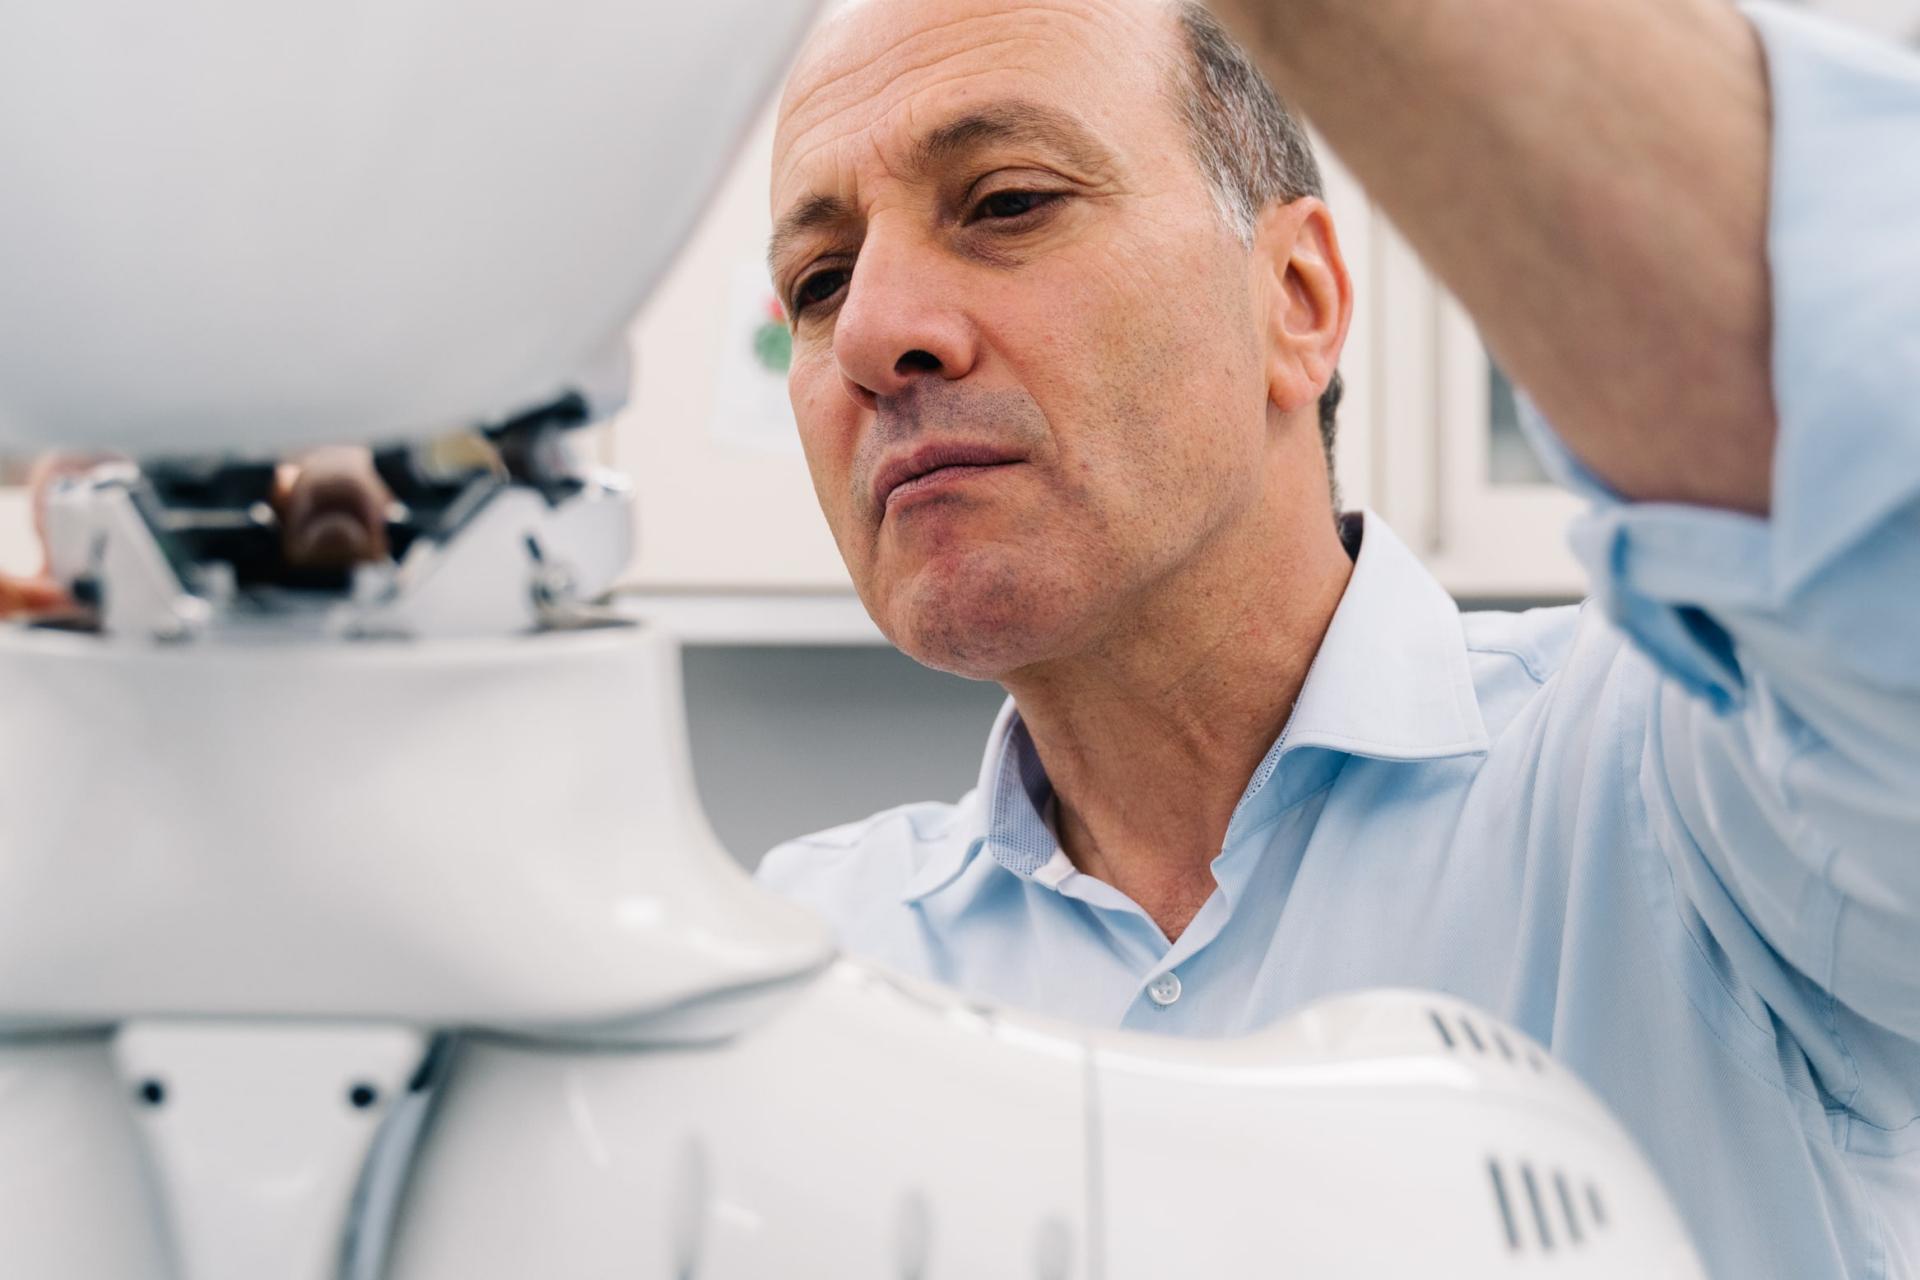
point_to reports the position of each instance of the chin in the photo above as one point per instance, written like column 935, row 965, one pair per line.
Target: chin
column 983, row 615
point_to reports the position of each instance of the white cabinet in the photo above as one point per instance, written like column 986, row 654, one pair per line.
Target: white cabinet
column 1357, row 456
column 1501, row 527
column 724, row 501
column 1453, row 474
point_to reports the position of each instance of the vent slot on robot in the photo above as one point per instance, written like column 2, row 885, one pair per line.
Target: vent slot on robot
column 1491, row 1041
column 1540, row 1211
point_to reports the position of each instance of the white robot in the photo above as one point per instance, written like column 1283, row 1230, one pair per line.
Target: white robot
column 369, row 926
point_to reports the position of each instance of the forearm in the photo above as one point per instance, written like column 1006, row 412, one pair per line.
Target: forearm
column 1590, row 177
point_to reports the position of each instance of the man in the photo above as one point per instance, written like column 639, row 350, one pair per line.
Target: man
column 1066, row 314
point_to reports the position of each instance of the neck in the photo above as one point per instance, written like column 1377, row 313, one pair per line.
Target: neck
column 1150, row 737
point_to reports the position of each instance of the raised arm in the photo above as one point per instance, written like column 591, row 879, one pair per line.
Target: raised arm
column 1707, row 280
column 1590, row 178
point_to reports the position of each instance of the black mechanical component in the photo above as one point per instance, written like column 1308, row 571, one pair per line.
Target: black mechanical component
column 206, row 514
column 528, row 449
column 534, row 450
column 223, row 513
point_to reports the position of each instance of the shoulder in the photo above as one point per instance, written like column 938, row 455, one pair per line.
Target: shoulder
column 851, row 872
column 1565, row 662
column 1536, row 642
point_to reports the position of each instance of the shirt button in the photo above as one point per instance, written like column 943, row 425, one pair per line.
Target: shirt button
column 1164, row 990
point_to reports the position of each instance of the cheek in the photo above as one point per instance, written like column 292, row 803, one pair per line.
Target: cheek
column 1121, row 386
column 1172, row 363
column 829, row 424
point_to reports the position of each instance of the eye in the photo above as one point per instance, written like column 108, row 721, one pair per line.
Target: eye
column 818, row 288
column 1005, row 206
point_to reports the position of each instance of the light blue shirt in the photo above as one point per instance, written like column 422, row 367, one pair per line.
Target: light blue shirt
column 1674, row 834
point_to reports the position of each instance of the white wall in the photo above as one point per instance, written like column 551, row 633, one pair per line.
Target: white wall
column 788, row 741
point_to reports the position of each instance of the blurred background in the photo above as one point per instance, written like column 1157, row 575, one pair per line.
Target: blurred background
column 801, row 717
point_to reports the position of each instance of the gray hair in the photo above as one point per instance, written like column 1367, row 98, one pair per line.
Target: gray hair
column 1250, row 148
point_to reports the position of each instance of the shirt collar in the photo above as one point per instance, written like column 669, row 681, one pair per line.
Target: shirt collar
column 1007, row 801
column 1391, row 679
column 1390, row 682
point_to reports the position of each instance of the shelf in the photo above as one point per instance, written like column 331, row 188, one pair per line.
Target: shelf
column 833, row 619
column 755, row 618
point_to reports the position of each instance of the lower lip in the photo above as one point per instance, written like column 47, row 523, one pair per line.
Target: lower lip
column 938, row 481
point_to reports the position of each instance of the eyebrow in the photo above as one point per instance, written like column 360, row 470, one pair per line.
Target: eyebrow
column 813, row 212
column 1018, row 123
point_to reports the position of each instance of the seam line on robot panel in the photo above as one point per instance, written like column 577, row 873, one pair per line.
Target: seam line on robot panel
column 1096, row 1217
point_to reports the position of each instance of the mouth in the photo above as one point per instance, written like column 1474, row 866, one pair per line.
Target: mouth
column 931, row 467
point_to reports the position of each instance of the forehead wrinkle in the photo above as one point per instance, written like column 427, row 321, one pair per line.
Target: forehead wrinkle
column 1016, row 122
column 902, row 58
column 1013, row 120
column 903, row 82
column 819, row 208
column 888, row 84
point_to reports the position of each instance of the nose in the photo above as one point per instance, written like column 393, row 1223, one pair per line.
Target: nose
column 901, row 321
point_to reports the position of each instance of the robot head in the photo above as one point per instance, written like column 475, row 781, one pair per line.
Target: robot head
column 235, row 229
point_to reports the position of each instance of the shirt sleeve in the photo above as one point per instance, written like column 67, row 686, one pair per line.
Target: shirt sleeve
column 1786, row 738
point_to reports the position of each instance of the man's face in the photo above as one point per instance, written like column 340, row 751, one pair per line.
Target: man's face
column 1027, row 369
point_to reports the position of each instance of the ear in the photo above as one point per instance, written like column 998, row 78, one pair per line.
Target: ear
column 1306, row 298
